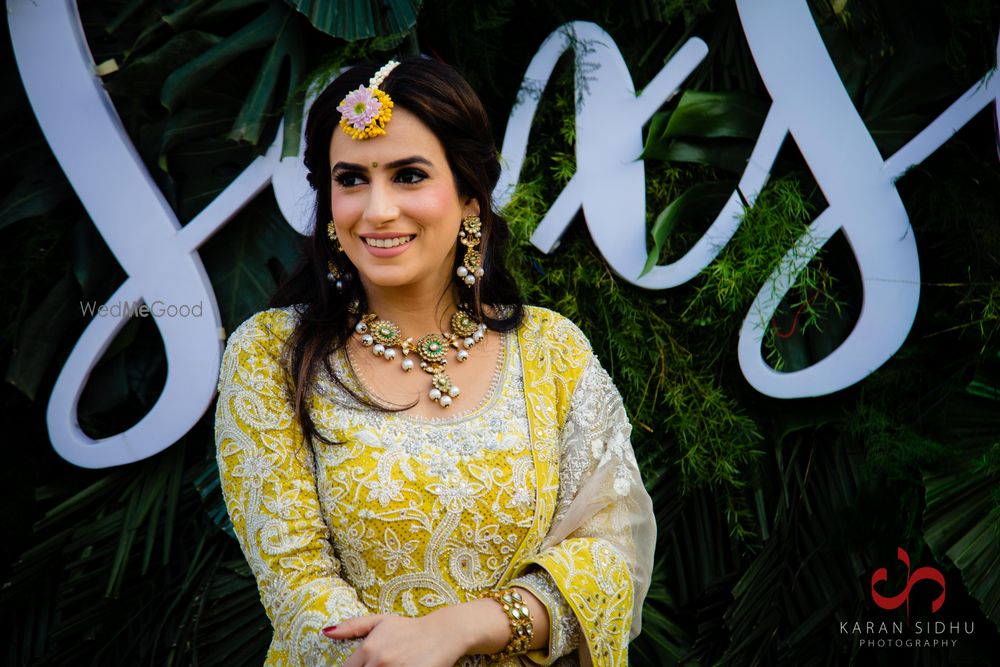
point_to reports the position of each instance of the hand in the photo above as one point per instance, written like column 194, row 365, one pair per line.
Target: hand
column 399, row 641
column 438, row 639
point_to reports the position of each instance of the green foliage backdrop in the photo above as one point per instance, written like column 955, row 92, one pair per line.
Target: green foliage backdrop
column 772, row 514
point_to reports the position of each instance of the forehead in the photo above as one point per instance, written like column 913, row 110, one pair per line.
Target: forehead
column 405, row 136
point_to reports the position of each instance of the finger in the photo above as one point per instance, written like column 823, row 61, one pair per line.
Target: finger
column 356, row 659
column 353, row 628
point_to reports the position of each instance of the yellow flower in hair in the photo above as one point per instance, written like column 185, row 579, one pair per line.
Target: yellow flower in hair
column 366, row 111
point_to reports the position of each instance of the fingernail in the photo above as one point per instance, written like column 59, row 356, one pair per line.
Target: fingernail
column 330, row 629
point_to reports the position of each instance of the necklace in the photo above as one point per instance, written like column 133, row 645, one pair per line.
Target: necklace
column 386, row 340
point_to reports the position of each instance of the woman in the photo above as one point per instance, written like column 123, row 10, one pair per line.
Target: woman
column 420, row 469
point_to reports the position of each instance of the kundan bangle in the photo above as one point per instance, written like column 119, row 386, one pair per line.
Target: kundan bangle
column 521, row 628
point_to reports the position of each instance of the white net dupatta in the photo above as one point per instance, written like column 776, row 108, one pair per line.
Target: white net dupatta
column 601, row 494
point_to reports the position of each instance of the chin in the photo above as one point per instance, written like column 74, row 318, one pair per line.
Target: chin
column 398, row 279
column 389, row 277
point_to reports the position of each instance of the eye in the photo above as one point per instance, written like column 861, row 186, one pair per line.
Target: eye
column 348, row 179
column 410, row 176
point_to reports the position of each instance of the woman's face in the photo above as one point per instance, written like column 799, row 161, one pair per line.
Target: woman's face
column 396, row 206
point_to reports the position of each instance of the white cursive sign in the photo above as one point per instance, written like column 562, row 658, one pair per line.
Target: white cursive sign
column 809, row 103
column 160, row 257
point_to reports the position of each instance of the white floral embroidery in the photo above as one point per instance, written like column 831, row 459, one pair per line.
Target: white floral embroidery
column 598, row 411
column 459, row 491
column 457, row 494
column 597, row 449
column 464, row 564
column 264, row 467
column 406, row 515
column 396, row 554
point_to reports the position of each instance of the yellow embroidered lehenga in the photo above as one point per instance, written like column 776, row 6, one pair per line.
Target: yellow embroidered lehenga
column 537, row 487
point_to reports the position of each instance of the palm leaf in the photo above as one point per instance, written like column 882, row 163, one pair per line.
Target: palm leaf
column 360, row 19
column 41, row 334
column 42, row 189
column 261, row 32
column 246, row 259
column 288, row 47
column 794, row 588
column 962, row 517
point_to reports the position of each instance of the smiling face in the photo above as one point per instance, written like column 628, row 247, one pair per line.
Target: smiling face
column 396, row 206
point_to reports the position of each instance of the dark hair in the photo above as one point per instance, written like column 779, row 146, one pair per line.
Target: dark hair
column 443, row 101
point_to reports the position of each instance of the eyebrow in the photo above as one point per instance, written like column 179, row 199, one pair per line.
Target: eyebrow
column 395, row 164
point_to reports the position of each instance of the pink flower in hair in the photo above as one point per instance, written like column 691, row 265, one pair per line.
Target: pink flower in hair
column 360, row 107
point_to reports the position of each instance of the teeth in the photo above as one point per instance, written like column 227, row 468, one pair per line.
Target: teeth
column 388, row 243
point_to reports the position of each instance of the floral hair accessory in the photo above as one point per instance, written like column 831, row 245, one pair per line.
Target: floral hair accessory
column 366, row 111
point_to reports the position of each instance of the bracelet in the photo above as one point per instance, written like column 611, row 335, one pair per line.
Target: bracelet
column 521, row 628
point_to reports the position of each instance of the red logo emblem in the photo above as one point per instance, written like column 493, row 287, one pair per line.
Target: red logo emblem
column 922, row 573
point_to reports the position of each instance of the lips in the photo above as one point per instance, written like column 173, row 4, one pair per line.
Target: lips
column 387, row 242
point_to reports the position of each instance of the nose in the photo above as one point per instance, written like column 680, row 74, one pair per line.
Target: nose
column 382, row 207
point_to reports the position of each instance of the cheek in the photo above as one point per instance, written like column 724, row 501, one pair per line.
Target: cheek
column 436, row 206
column 346, row 210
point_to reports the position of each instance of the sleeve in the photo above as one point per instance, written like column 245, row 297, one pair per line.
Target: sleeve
column 599, row 550
column 269, row 484
column 564, row 629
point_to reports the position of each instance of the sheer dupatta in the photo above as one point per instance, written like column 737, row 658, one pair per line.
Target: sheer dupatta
column 595, row 529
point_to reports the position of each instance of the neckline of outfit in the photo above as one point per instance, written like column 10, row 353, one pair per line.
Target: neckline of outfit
column 493, row 392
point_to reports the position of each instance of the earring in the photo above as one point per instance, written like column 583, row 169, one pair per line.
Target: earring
column 331, row 232
column 472, row 264
column 334, row 274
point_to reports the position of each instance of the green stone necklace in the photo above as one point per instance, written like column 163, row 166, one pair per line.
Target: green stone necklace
column 386, row 340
